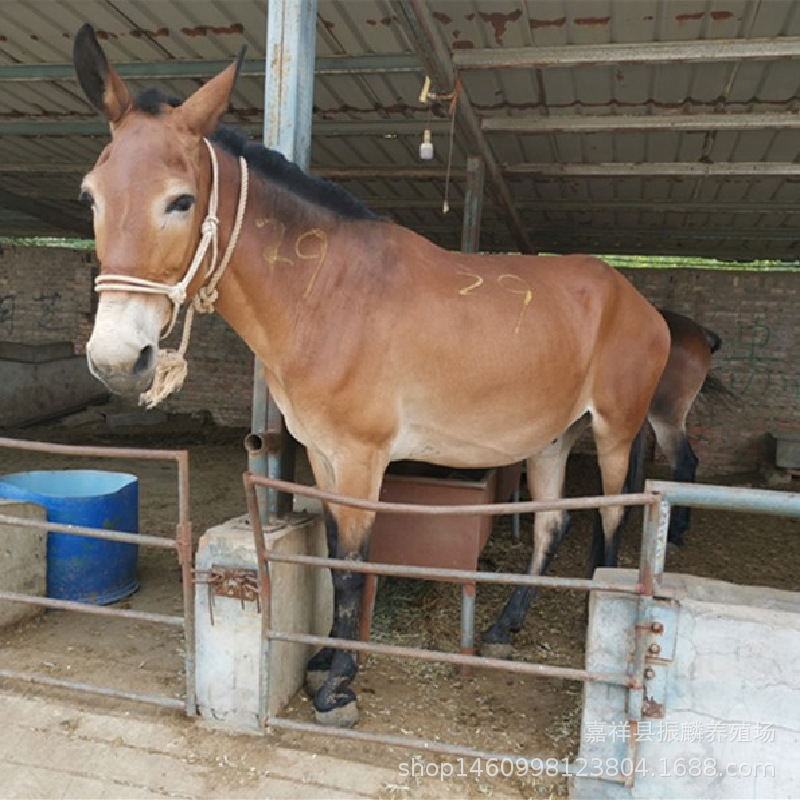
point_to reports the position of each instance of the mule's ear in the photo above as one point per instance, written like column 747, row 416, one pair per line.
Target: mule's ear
column 203, row 109
column 103, row 88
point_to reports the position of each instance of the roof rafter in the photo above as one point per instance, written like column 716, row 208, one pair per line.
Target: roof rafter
column 389, row 127
column 143, row 70
column 573, row 55
column 601, row 170
column 545, row 206
column 652, row 122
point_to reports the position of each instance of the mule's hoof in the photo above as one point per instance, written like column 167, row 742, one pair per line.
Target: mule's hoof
column 496, row 650
column 339, row 717
column 315, row 678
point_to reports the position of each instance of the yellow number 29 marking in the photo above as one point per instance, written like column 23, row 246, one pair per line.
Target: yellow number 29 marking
column 522, row 289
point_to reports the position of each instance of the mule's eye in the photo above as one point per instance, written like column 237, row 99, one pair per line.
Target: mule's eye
column 182, row 202
column 86, row 198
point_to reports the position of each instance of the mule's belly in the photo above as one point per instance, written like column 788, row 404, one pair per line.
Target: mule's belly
column 477, row 444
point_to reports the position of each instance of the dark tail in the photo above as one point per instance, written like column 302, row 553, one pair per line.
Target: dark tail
column 715, row 390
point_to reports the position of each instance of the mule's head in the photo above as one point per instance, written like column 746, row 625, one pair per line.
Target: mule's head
column 149, row 192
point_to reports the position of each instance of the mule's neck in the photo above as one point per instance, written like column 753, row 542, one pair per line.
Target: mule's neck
column 283, row 245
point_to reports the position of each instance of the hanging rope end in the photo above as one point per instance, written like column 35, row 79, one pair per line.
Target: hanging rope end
column 171, row 371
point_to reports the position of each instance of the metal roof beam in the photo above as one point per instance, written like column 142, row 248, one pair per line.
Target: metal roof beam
column 594, row 206
column 603, row 170
column 144, row 70
column 648, row 234
column 371, row 127
column 662, row 234
column 404, row 126
column 663, row 169
column 426, row 41
column 656, row 122
column 41, row 211
column 584, row 55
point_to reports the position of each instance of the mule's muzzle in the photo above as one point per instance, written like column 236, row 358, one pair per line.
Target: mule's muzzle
column 128, row 377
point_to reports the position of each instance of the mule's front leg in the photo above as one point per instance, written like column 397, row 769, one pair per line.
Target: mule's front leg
column 335, row 701
column 331, row 671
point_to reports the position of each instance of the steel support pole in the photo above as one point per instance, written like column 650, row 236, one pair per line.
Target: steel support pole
column 288, row 95
column 473, row 206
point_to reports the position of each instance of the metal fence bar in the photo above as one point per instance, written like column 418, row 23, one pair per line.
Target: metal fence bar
column 90, row 533
column 182, row 544
column 728, row 498
column 522, row 667
column 489, row 509
column 559, row 767
column 455, row 575
column 94, row 451
column 90, row 608
column 46, row 680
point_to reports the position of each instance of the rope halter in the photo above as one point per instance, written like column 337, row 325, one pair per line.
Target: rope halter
column 171, row 367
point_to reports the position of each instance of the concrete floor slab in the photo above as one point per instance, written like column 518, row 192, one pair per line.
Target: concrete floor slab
column 77, row 750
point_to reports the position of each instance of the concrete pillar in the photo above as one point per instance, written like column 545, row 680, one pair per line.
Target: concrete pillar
column 228, row 628
column 23, row 560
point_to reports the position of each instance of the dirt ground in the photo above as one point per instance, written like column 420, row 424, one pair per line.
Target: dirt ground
column 489, row 710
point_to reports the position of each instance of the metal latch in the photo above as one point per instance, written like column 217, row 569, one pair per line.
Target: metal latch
column 231, row 582
column 659, row 657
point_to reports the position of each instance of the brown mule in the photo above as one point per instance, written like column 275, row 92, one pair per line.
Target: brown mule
column 377, row 344
column 686, row 378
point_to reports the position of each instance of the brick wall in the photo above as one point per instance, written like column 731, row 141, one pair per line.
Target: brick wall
column 755, row 314
column 45, row 296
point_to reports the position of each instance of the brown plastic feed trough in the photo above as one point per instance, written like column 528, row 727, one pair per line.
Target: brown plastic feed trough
column 436, row 541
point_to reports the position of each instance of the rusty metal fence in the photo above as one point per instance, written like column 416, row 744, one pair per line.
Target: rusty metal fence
column 182, row 544
column 647, row 630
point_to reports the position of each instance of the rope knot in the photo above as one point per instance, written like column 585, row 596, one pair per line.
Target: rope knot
column 205, row 299
column 177, row 294
column 209, row 226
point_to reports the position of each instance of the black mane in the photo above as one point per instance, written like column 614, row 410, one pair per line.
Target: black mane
column 270, row 163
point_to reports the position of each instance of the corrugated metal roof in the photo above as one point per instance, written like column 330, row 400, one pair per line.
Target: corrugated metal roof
column 712, row 166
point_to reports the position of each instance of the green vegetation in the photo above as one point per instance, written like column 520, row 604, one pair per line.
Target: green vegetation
column 46, row 241
column 686, row 262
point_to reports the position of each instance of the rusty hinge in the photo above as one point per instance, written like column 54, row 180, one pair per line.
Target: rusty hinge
column 232, row 582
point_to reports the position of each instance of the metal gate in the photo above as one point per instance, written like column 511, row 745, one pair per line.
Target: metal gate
column 649, row 626
column 654, row 630
column 182, row 544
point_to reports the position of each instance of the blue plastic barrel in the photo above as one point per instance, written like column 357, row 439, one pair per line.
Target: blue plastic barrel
column 81, row 568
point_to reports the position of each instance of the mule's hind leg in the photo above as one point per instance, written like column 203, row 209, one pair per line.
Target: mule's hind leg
column 545, row 482
column 613, row 451
column 674, row 443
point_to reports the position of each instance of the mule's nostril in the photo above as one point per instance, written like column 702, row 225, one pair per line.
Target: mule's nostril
column 144, row 362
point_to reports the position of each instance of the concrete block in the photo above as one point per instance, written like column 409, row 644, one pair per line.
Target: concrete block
column 227, row 651
column 787, row 450
column 731, row 726
column 36, row 353
column 38, row 390
column 23, row 560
